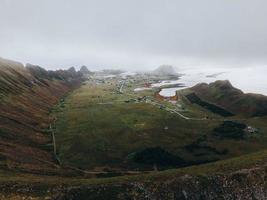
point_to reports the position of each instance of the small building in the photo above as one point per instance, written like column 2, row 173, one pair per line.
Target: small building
column 252, row 130
column 147, row 85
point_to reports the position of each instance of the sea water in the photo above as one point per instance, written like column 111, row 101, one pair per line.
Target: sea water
column 248, row 79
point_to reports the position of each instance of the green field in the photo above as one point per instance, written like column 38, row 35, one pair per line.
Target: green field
column 100, row 129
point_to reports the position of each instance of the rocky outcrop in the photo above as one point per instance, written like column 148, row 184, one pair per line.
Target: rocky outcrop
column 243, row 184
column 223, row 94
column 84, row 70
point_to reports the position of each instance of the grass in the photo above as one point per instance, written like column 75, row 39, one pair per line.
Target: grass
column 97, row 130
column 221, row 167
column 90, row 134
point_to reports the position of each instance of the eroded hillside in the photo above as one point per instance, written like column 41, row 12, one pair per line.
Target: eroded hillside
column 27, row 95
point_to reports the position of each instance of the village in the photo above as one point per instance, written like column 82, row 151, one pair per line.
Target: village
column 133, row 84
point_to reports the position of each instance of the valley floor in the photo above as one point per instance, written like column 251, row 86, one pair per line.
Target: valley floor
column 106, row 127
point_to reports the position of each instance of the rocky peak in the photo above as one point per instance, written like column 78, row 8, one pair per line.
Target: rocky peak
column 165, row 70
column 84, row 70
column 72, row 70
column 223, row 84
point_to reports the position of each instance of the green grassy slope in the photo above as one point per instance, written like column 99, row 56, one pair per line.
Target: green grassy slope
column 92, row 134
column 227, row 171
column 224, row 94
column 98, row 130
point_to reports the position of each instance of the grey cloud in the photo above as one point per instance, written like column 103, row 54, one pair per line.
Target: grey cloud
column 134, row 34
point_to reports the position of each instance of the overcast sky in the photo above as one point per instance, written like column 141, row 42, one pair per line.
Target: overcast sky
column 135, row 34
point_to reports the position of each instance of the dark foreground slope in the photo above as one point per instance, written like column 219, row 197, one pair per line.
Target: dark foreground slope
column 232, row 99
column 26, row 96
column 238, row 178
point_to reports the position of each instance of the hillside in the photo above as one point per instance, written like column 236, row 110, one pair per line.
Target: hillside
column 232, row 99
column 238, row 178
column 84, row 70
column 27, row 95
column 115, row 143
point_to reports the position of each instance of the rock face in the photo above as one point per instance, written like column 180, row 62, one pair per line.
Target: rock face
column 72, row 70
column 27, row 96
column 165, row 70
column 232, row 99
column 244, row 184
column 84, row 70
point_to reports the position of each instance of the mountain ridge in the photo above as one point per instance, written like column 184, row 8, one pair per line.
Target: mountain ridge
column 225, row 95
column 27, row 96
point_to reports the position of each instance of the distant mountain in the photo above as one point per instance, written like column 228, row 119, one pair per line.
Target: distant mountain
column 72, row 70
column 165, row 70
column 84, row 70
column 111, row 71
column 232, row 99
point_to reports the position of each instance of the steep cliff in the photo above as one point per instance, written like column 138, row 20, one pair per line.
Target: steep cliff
column 27, row 95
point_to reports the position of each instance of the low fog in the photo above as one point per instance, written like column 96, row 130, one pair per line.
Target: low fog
column 135, row 35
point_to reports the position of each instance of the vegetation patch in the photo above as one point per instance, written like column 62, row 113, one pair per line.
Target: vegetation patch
column 156, row 156
column 97, row 129
column 199, row 148
column 231, row 129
